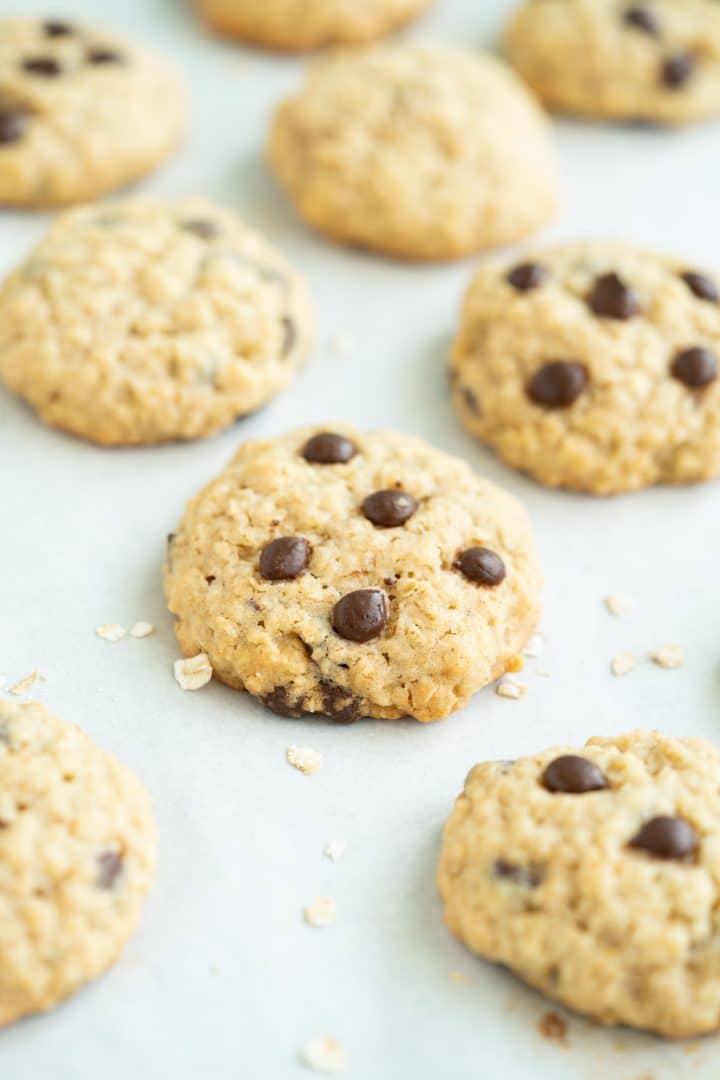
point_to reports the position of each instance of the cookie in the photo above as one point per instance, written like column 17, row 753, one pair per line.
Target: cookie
column 594, row 875
column 353, row 575
column 593, row 366
column 77, row 856
column 81, row 112
column 147, row 321
column 423, row 152
column 657, row 60
column 308, row 24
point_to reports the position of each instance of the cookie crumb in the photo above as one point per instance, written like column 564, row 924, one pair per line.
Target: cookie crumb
column 193, row 672
column 142, row 629
column 304, row 759
column 508, row 688
column 22, row 687
column 617, row 604
column 553, row 1027
column 324, row 1054
column 669, row 656
column 542, row 672
column 321, row 912
column 534, row 647
column 335, row 849
column 623, row 663
column 111, row 632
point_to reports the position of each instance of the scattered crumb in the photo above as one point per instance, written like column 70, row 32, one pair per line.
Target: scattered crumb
column 305, row 759
column 142, row 629
column 542, row 672
column 508, row 688
column 321, row 912
column 553, row 1027
column 111, row 632
column 193, row 672
column 670, row 656
column 534, row 647
column 623, row 663
column 617, row 604
column 459, row 977
column 22, row 687
column 324, row 1054
column 343, row 344
column 335, row 849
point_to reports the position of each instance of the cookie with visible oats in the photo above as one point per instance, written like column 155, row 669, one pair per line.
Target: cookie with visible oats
column 353, row 575
column 77, row 856
column 147, row 321
column 594, row 874
column 653, row 60
column 593, row 366
column 82, row 112
column 423, row 152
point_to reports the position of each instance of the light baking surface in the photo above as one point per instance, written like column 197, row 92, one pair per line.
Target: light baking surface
column 224, row 978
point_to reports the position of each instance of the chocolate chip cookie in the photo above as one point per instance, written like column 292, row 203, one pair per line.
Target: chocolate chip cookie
column 423, row 152
column 81, row 112
column 146, row 321
column 77, row 855
column 594, row 366
column 334, row 572
column 594, row 875
column 653, row 60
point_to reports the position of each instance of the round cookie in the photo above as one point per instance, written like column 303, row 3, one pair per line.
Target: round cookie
column 595, row 876
column 653, row 60
column 81, row 112
column 424, row 152
column 77, row 856
column 593, row 366
column 147, row 321
column 353, row 575
column 308, row 24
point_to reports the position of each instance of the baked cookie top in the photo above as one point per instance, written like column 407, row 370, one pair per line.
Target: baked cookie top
column 595, row 875
column 146, row 321
column 594, row 366
column 77, row 855
column 308, row 24
column 81, row 112
column 421, row 151
column 353, row 575
column 656, row 60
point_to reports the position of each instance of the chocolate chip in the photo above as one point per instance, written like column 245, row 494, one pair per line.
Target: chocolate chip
column 696, row 367
column 482, row 565
column 13, row 122
column 53, row 28
column 104, row 56
column 42, row 65
column 289, row 335
column 206, row 230
column 558, row 384
column 389, row 508
column 528, row 276
column 666, row 838
column 702, row 286
column 527, row 877
column 110, row 863
column 611, row 298
column 328, row 448
column 284, row 558
column 284, row 703
column 676, row 70
column 340, row 705
column 571, row 774
column 360, row 615
column 641, row 18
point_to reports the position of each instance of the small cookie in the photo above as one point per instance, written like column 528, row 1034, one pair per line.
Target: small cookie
column 308, row 24
column 424, row 152
column 77, row 856
column 353, row 575
column 656, row 60
column 146, row 321
column 595, row 876
column 81, row 112
column 593, row 366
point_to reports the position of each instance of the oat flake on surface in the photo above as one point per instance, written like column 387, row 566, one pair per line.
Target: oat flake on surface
column 111, row 632
column 508, row 688
column 623, row 663
column 191, row 673
column 669, row 656
column 22, row 687
column 142, row 629
column 335, row 849
column 321, row 912
column 324, row 1054
column 617, row 604
column 304, row 759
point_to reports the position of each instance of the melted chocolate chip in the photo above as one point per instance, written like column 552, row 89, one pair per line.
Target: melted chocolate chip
column 527, row 877
column 641, row 18
column 571, row 774
column 53, row 28
column 702, row 286
column 104, row 56
column 482, row 565
column 46, row 66
column 281, row 701
column 110, row 864
column 289, row 335
column 666, row 838
column 611, row 298
column 696, row 367
column 340, row 705
column 360, row 615
column 389, row 508
column 558, row 384
column 328, row 448
column 205, row 230
column 676, row 70
column 284, row 558
column 13, row 123
column 528, row 276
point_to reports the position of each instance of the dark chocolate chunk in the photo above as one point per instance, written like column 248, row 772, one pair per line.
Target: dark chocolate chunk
column 327, row 448
column 558, row 384
column 285, row 558
column 389, row 508
column 360, row 615
column 572, row 774
column 667, row 838
column 481, row 565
